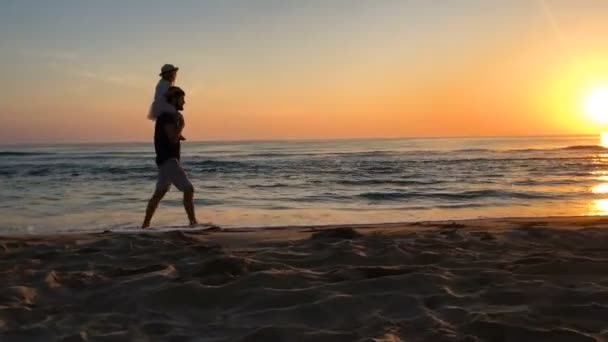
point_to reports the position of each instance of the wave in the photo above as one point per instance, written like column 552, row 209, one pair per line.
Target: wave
column 585, row 147
column 588, row 148
column 465, row 195
column 390, row 153
column 274, row 154
column 393, row 196
column 473, row 150
column 20, row 154
column 39, row 172
column 489, row 160
column 388, row 182
column 266, row 186
column 208, row 163
column 531, row 182
column 458, row 206
column 123, row 170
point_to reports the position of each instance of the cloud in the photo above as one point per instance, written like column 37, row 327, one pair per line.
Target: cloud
column 53, row 55
column 85, row 72
column 125, row 80
column 71, row 62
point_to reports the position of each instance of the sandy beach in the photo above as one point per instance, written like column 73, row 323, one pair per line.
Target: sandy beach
column 541, row 279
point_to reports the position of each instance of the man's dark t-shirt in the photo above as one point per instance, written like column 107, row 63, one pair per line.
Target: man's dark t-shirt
column 165, row 149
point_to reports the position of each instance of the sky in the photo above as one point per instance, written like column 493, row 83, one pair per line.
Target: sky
column 85, row 71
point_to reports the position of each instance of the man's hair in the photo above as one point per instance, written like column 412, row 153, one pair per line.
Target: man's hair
column 174, row 93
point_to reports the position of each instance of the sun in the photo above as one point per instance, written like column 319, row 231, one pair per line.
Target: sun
column 596, row 105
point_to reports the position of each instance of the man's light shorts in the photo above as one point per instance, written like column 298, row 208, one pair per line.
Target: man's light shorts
column 171, row 172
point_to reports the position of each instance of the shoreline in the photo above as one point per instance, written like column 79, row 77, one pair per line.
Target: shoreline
column 561, row 221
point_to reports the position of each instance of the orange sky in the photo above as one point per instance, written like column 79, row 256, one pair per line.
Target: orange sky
column 316, row 70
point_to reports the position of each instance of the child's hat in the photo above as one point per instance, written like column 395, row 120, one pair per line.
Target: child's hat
column 167, row 68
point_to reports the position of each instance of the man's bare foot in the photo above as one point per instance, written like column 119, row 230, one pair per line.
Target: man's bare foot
column 145, row 225
column 193, row 224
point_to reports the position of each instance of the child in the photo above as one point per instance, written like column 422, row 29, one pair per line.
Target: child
column 168, row 74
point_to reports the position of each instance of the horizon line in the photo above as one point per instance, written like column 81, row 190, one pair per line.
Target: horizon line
column 304, row 139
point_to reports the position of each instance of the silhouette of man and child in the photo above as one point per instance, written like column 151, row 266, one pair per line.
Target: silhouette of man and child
column 166, row 110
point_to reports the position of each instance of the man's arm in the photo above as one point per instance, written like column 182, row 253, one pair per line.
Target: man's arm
column 181, row 124
column 173, row 132
column 172, row 128
column 180, row 120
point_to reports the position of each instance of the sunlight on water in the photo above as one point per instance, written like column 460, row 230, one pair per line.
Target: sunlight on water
column 602, row 178
column 600, row 188
column 604, row 139
column 599, row 207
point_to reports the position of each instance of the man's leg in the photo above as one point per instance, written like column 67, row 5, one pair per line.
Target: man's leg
column 189, row 206
column 179, row 178
column 162, row 186
column 152, row 205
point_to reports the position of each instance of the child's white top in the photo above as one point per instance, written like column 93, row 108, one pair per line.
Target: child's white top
column 160, row 105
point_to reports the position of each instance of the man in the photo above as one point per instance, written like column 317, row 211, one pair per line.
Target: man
column 167, row 133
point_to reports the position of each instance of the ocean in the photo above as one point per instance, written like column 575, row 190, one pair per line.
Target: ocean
column 94, row 187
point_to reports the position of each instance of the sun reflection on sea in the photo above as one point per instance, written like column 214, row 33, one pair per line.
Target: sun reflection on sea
column 600, row 206
column 604, row 139
column 600, row 188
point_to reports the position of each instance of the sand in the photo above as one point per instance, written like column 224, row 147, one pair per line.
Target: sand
column 541, row 279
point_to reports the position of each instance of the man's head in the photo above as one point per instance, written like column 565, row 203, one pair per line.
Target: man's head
column 176, row 97
column 169, row 72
